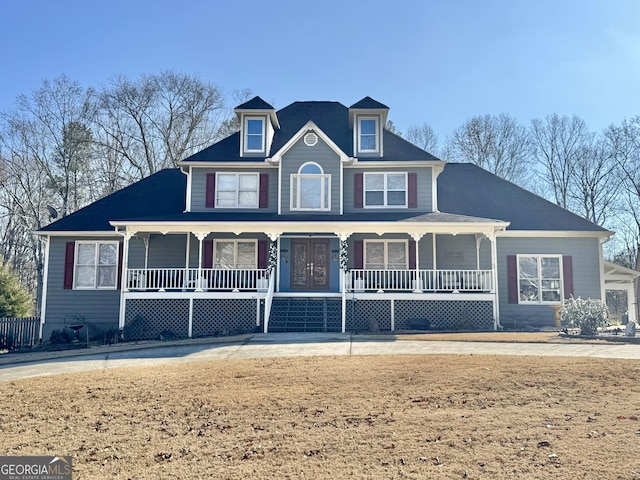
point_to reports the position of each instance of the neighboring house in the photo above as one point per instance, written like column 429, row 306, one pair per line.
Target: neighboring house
column 316, row 218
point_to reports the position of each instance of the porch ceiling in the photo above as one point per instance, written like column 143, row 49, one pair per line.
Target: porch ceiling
column 366, row 222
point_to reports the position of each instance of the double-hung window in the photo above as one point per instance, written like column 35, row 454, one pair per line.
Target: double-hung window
column 385, row 255
column 310, row 188
column 254, row 136
column 368, row 134
column 385, row 190
column 540, row 278
column 96, row 265
column 235, row 254
column 239, row 190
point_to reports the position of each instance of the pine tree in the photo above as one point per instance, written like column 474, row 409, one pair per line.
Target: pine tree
column 15, row 300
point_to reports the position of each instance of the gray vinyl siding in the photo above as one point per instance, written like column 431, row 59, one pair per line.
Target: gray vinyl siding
column 199, row 187
column 425, row 197
column 321, row 154
column 68, row 307
column 586, row 274
column 460, row 252
column 165, row 251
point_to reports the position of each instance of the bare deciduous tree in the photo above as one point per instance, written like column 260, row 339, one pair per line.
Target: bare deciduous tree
column 423, row 136
column 498, row 144
column 51, row 128
column 157, row 120
column 559, row 141
column 593, row 187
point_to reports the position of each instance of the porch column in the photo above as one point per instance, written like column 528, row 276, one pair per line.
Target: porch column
column 632, row 313
column 343, row 258
column 274, row 237
column 418, row 285
column 124, row 280
column 479, row 237
column 200, row 236
column 434, row 277
column 188, row 251
column 494, row 281
column 274, row 276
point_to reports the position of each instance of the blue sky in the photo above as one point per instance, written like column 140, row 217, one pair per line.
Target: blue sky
column 439, row 62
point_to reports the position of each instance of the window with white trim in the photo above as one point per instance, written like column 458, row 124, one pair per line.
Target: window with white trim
column 96, row 265
column 540, row 278
column 310, row 188
column 386, row 254
column 254, row 135
column 239, row 190
column 235, row 254
column 368, row 140
column 385, row 190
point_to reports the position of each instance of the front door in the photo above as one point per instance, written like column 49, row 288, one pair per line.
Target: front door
column 310, row 264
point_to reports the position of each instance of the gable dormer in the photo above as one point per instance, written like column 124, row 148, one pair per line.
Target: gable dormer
column 367, row 118
column 258, row 122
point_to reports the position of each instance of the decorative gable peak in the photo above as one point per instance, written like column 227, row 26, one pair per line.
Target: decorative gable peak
column 367, row 118
column 258, row 123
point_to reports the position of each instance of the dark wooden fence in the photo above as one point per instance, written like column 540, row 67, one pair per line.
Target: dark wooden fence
column 19, row 332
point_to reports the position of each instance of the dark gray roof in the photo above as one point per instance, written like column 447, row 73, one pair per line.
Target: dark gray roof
column 161, row 194
column 331, row 117
column 466, row 189
column 368, row 102
column 466, row 193
column 256, row 103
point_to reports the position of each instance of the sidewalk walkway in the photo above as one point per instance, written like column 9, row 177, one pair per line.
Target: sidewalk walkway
column 17, row 366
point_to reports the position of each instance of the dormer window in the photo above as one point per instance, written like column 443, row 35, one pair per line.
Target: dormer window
column 254, row 135
column 368, row 134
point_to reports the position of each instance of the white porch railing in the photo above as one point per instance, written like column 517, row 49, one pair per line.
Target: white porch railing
column 365, row 280
column 197, row 279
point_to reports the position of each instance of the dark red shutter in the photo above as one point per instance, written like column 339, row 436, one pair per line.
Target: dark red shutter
column 412, row 254
column 357, row 190
column 207, row 254
column 413, row 190
column 262, row 253
column 120, row 254
column 69, row 253
column 264, row 190
column 567, row 273
column 211, row 190
column 358, row 254
column 512, row 279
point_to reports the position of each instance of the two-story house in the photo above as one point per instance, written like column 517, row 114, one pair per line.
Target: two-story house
column 316, row 218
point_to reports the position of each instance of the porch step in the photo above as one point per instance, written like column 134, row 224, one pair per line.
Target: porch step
column 296, row 314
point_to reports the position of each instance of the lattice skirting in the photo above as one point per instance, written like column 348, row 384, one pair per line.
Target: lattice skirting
column 148, row 319
column 440, row 315
column 361, row 312
column 223, row 316
column 151, row 319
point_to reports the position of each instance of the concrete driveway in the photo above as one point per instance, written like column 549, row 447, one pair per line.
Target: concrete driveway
column 18, row 366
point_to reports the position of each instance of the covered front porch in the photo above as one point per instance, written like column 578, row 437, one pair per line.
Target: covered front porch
column 234, row 278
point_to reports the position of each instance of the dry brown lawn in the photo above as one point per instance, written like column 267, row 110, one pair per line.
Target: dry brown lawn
column 515, row 337
column 387, row 417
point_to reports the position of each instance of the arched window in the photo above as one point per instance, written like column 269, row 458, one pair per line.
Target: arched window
column 310, row 188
